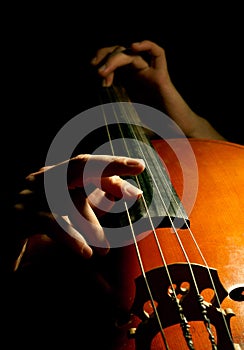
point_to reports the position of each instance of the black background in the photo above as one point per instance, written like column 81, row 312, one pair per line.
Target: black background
column 46, row 54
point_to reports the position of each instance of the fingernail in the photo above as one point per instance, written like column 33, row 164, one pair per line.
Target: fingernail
column 135, row 162
column 86, row 252
column 102, row 68
column 132, row 191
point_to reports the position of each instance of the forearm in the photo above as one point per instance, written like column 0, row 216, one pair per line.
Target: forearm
column 190, row 123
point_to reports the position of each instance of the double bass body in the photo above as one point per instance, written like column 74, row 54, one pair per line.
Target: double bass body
column 216, row 257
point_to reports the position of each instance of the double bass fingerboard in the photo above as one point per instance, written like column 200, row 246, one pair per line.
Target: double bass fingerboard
column 160, row 205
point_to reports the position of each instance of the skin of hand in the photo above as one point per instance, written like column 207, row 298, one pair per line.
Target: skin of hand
column 155, row 72
column 33, row 216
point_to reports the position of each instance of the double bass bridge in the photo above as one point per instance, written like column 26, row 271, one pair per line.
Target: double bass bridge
column 193, row 308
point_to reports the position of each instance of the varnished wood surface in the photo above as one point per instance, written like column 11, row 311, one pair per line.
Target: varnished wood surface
column 216, row 221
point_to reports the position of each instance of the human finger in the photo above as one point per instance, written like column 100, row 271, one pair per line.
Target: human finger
column 106, row 71
column 118, row 187
column 100, row 202
column 28, row 222
column 89, row 168
column 59, row 229
column 156, row 52
column 113, row 189
column 95, row 165
column 104, row 52
column 86, row 221
column 118, row 57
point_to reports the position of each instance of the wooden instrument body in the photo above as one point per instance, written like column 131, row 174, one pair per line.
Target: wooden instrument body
column 217, row 223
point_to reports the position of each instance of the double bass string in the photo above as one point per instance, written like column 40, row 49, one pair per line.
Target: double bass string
column 184, row 324
column 146, row 281
column 136, row 245
column 132, row 113
column 206, row 320
column 184, row 321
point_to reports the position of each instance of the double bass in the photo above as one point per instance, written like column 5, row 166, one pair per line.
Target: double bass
column 177, row 279
column 173, row 278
